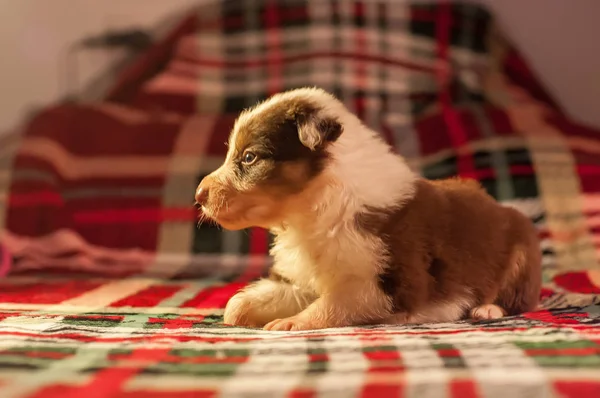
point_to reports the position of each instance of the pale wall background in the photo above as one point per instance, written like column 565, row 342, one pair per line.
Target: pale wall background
column 561, row 39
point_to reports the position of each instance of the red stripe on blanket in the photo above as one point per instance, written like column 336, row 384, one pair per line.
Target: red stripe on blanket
column 290, row 60
column 149, row 297
column 259, row 241
column 569, row 127
column 302, row 392
column 34, row 199
column 578, row 282
column 383, row 390
column 548, row 317
column 463, row 389
column 101, row 130
column 44, row 293
column 382, row 363
column 214, row 297
column 5, row 261
column 199, row 393
column 577, row 389
column 109, row 382
column 590, row 183
column 177, row 323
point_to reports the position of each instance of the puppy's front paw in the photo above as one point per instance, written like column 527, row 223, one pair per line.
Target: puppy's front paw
column 293, row 323
column 237, row 311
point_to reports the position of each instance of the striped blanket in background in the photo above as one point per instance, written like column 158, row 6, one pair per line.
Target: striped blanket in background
column 114, row 291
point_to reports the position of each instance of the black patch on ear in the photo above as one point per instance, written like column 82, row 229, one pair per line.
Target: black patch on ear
column 314, row 129
column 294, row 130
column 330, row 128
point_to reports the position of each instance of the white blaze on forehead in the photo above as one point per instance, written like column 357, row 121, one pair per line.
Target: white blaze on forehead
column 230, row 147
column 242, row 120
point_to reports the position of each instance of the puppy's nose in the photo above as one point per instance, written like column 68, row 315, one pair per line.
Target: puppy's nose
column 201, row 195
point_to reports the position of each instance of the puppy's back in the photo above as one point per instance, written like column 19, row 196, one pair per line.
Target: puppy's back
column 464, row 241
column 502, row 232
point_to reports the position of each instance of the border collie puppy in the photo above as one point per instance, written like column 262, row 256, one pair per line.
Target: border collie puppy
column 360, row 239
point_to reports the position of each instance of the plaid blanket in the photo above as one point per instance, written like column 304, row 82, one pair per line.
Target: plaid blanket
column 114, row 291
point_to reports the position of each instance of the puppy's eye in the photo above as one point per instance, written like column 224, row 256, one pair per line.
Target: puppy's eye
column 249, row 158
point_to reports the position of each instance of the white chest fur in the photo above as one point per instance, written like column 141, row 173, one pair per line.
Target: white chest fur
column 322, row 246
column 317, row 259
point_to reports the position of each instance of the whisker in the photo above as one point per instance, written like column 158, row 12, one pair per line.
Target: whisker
column 200, row 220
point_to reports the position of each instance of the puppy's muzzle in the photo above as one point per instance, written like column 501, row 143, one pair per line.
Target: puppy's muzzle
column 203, row 191
column 201, row 195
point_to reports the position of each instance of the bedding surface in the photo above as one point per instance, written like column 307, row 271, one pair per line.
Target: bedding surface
column 153, row 337
column 110, row 289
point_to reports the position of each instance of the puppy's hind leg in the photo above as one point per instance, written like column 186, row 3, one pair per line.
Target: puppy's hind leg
column 487, row 311
column 520, row 290
column 488, row 308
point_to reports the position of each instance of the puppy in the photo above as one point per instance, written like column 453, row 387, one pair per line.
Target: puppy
column 359, row 238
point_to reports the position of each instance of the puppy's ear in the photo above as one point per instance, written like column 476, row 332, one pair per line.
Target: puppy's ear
column 315, row 129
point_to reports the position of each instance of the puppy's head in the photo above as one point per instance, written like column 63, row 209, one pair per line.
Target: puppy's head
column 276, row 150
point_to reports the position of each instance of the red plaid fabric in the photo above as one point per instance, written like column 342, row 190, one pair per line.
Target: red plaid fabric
column 114, row 290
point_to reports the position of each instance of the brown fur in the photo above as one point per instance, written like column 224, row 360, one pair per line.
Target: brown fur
column 453, row 236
